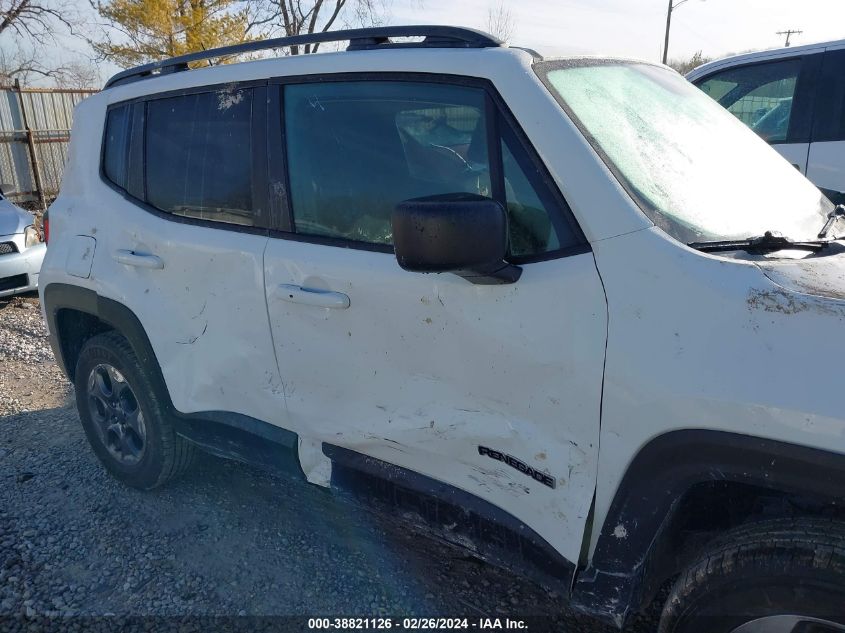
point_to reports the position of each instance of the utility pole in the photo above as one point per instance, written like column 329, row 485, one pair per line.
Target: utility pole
column 788, row 33
column 673, row 4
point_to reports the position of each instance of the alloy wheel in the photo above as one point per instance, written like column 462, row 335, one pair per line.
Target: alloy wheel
column 117, row 416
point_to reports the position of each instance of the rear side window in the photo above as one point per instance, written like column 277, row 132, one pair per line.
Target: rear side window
column 759, row 95
column 116, row 146
column 356, row 149
column 199, row 156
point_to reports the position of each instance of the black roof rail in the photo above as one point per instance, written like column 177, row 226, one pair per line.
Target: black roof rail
column 359, row 39
column 537, row 57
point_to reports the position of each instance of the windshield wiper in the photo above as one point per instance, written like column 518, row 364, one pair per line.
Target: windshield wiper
column 837, row 213
column 769, row 242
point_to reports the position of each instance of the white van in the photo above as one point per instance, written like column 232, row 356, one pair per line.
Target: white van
column 795, row 99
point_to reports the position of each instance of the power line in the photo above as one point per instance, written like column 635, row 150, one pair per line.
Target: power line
column 788, row 33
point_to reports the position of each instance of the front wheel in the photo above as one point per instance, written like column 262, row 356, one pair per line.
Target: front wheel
column 781, row 576
column 124, row 420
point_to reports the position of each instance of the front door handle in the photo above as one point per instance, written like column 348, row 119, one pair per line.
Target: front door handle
column 313, row 297
column 139, row 260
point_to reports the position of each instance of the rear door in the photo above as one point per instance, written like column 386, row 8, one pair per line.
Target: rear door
column 431, row 372
column 826, row 165
column 184, row 241
column 773, row 98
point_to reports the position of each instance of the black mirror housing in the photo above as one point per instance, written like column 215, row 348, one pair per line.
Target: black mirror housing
column 460, row 233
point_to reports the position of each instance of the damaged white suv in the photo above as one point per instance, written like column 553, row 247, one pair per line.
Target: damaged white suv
column 622, row 379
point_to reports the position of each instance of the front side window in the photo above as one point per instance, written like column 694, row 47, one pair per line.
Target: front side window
column 760, row 95
column 693, row 168
column 356, row 149
column 199, row 156
column 530, row 219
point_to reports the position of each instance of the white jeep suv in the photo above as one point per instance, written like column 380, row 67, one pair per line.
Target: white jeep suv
column 532, row 304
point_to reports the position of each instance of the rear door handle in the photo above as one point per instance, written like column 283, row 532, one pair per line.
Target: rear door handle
column 131, row 258
column 313, row 296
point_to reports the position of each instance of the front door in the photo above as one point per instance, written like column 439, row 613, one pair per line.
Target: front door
column 431, row 372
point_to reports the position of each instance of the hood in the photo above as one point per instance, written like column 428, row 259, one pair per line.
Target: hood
column 13, row 219
column 820, row 276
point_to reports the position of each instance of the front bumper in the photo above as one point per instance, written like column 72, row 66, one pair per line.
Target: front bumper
column 19, row 271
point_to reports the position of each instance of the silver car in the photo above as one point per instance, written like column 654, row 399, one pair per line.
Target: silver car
column 21, row 250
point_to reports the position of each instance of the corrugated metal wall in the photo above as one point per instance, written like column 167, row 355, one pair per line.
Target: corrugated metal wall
column 35, row 128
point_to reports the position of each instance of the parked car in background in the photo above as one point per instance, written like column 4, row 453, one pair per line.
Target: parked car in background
column 21, row 249
column 792, row 97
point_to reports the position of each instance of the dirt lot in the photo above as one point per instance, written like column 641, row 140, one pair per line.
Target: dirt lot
column 225, row 540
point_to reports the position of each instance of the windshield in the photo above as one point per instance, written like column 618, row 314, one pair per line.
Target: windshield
column 693, row 168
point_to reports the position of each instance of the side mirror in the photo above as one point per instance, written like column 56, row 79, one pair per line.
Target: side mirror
column 463, row 234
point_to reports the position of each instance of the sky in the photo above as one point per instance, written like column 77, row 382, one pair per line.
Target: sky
column 631, row 28
column 635, row 28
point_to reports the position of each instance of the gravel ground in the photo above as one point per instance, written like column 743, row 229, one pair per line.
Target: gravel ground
column 225, row 540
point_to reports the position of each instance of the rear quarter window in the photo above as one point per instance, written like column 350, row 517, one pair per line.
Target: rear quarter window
column 116, row 146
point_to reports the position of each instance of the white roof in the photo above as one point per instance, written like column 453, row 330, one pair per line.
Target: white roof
column 774, row 53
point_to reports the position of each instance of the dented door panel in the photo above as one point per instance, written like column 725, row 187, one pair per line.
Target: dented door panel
column 492, row 389
column 203, row 310
column 197, row 287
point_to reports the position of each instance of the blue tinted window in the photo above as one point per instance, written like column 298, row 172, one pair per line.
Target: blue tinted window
column 759, row 95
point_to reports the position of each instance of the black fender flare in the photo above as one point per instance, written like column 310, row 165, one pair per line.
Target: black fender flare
column 57, row 296
column 659, row 476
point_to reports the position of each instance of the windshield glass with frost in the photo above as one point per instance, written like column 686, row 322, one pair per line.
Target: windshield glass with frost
column 693, row 168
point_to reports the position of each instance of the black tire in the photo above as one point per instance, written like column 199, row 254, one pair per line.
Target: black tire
column 162, row 454
column 780, row 567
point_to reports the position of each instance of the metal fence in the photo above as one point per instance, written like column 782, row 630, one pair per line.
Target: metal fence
column 35, row 128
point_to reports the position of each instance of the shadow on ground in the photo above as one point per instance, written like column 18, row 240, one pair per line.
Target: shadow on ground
column 226, row 539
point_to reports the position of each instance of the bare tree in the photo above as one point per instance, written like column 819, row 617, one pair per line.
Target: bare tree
column 80, row 74
column 36, row 23
column 300, row 17
column 26, row 68
column 35, row 19
column 683, row 66
column 23, row 66
column 500, row 22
